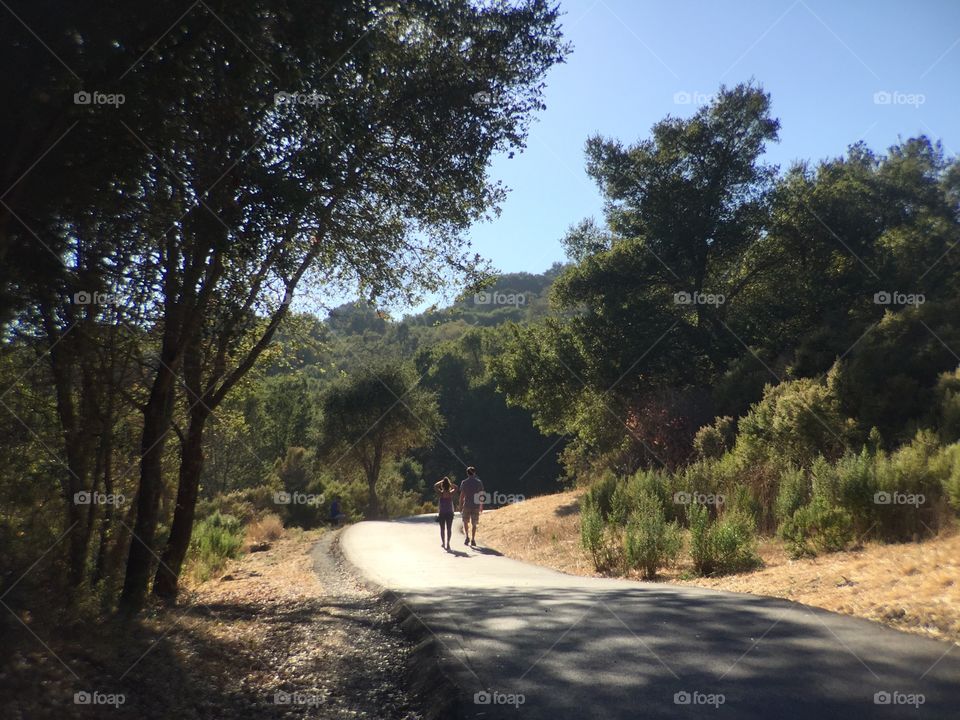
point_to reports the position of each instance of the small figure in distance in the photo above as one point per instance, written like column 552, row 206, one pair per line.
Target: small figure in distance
column 471, row 504
column 337, row 517
column 446, row 489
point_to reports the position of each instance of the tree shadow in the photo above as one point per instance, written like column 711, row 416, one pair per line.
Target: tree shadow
column 571, row 508
column 644, row 652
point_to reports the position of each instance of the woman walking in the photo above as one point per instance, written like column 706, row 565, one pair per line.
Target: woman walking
column 447, row 490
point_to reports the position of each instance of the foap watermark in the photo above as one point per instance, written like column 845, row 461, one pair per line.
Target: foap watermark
column 297, row 698
column 497, row 498
column 693, row 97
column 698, row 498
column 896, row 97
column 698, row 298
column 484, row 97
column 896, row 297
column 493, row 697
column 899, row 498
column 95, row 697
column 895, row 697
column 84, row 97
column 312, row 99
column 86, row 297
column 296, row 498
column 695, row 697
column 98, row 498
column 499, row 298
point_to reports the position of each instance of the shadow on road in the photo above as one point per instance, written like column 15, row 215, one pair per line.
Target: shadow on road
column 643, row 652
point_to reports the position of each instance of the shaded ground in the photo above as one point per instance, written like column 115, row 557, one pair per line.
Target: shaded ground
column 283, row 634
column 519, row 640
column 913, row 586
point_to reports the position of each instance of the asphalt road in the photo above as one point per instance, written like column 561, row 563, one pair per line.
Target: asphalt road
column 528, row 642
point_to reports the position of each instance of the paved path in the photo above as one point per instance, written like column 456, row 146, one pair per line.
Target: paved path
column 576, row 647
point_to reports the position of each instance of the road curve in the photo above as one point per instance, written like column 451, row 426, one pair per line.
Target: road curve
column 524, row 641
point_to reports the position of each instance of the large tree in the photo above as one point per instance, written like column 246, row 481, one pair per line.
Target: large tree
column 374, row 417
column 647, row 300
column 258, row 145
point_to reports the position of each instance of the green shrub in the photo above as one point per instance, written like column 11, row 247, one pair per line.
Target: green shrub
column 948, row 468
column 215, row 540
column 698, row 518
column 591, row 530
column 948, row 406
column 817, row 527
column 725, row 546
column 712, row 441
column 601, row 493
column 793, row 493
column 795, row 422
column 628, row 494
column 856, row 488
column 650, row 542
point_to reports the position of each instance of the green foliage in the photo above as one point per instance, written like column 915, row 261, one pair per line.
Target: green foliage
column 597, row 536
column 629, row 494
column 650, row 542
column 216, row 539
column 948, row 406
column 601, row 493
column 726, row 545
column 949, row 470
column 795, row 422
column 794, row 492
column 303, row 503
column 817, row 527
column 374, row 417
column 684, row 208
column 712, row 441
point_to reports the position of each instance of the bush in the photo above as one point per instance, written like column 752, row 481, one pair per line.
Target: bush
column 266, row 529
column 793, row 493
column 817, row 527
column 795, row 422
column 725, row 546
column 215, row 540
column 650, row 541
column 856, row 488
column 628, row 495
column 948, row 466
column 601, row 493
column 712, row 441
column 948, row 406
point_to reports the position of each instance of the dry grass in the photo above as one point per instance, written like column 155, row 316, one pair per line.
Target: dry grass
column 913, row 587
column 267, row 529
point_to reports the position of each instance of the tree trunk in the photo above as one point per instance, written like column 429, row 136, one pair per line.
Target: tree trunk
column 156, row 423
column 191, row 465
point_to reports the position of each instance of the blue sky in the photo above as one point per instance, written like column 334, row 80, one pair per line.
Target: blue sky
column 634, row 62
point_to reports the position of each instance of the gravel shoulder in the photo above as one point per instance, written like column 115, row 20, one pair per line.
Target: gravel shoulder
column 285, row 633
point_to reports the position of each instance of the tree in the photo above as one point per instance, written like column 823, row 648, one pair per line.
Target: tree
column 373, row 417
column 351, row 184
column 647, row 298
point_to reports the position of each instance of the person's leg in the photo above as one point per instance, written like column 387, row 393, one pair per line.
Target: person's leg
column 449, row 522
column 440, row 522
column 474, row 521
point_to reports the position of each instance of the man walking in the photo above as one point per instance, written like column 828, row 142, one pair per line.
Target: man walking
column 471, row 503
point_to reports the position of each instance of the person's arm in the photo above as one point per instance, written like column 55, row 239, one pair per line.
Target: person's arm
column 436, row 485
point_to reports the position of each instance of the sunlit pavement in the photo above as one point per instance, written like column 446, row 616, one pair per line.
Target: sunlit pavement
column 525, row 641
